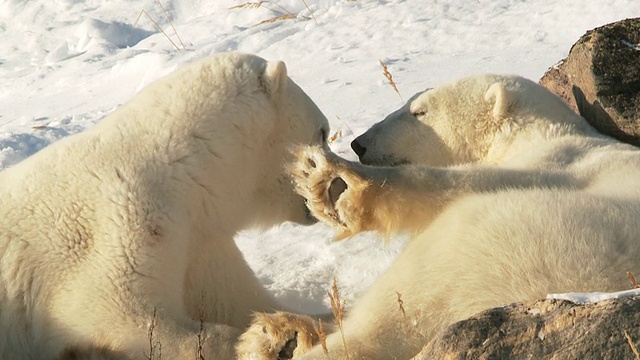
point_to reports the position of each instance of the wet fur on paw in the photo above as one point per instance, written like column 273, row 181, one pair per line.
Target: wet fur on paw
column 334, row 193
column 277, row 336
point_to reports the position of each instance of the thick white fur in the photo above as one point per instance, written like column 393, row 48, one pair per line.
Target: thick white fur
column 510, row 196
column 138, row 214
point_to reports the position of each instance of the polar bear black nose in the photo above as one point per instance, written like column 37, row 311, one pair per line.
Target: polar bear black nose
column 358, row 148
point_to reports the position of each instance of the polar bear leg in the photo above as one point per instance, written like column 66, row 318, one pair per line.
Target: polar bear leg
column 130, row 323
column 353, row 197
column 158, row 334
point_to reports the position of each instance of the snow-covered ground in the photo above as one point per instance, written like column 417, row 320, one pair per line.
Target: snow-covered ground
column 65, row 64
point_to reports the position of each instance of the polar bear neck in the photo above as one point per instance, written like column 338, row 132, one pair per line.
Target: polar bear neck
column 190, row 144
column 223, row 183
column 517, row 135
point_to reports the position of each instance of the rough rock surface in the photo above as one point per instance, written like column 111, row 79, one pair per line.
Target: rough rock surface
column 543, row 329
column 600, row 79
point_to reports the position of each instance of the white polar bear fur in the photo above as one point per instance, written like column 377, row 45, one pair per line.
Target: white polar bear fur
column 510, row 195
column 138, row 214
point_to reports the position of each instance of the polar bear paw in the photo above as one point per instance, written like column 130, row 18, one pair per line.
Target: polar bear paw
column 277, row 336
column 334, row 192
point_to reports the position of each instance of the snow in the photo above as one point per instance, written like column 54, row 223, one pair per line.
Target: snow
column 593, row 297
column 65, row 64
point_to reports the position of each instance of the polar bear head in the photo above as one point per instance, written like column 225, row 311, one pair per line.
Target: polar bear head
column 242, row 115
column 281, row 116
column 457, row 123
column 297, row 121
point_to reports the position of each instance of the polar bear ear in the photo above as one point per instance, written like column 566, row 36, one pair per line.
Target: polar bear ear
column 274, row 78
column 502, row 100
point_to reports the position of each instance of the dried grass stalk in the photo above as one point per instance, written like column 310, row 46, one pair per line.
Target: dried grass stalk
column 337, row 307
column 157, row 27
column 389, row 77
column 632, row 345
column 202, row 333
column 153, row 343
column 248, row 5
column 335, row 136
column 277, row 18
column 323, row 337
column 166, row 15
column 633, row 280
column 401, row 305
column 310, row 12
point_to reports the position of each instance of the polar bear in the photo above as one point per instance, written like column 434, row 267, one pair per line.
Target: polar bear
column 120, row 238
column 509, row 196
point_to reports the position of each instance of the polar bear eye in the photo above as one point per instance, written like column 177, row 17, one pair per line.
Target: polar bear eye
column 419, row 113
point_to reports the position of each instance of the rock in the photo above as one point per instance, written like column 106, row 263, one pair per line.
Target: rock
column 600, row 79
column 543, row 329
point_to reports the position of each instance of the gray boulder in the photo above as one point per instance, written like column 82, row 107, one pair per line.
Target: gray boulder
column 543, row 329
column 600, row 79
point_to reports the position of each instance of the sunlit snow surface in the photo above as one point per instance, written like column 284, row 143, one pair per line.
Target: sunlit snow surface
column 65, row 64
column 594, row 297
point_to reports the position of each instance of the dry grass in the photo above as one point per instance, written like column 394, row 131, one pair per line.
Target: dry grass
column 347, row 126
column 155, row 348
column 323, row 337
column 387, row 74
column 633, row 280
column 401, row 305
column 277, row 18
column 335, row 136
column 310, row 12
column 259, row 4
column 632, row 345
column 337, row 307
column 166, row 15
column 202, row 333
column 143, row 12
column 249, row 5
column 282, row 12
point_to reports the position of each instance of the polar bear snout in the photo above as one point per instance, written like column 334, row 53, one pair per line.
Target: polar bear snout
column 358, row 148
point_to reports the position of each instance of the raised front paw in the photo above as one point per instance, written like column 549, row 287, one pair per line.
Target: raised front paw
column 277, row 336
column 334, row 193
